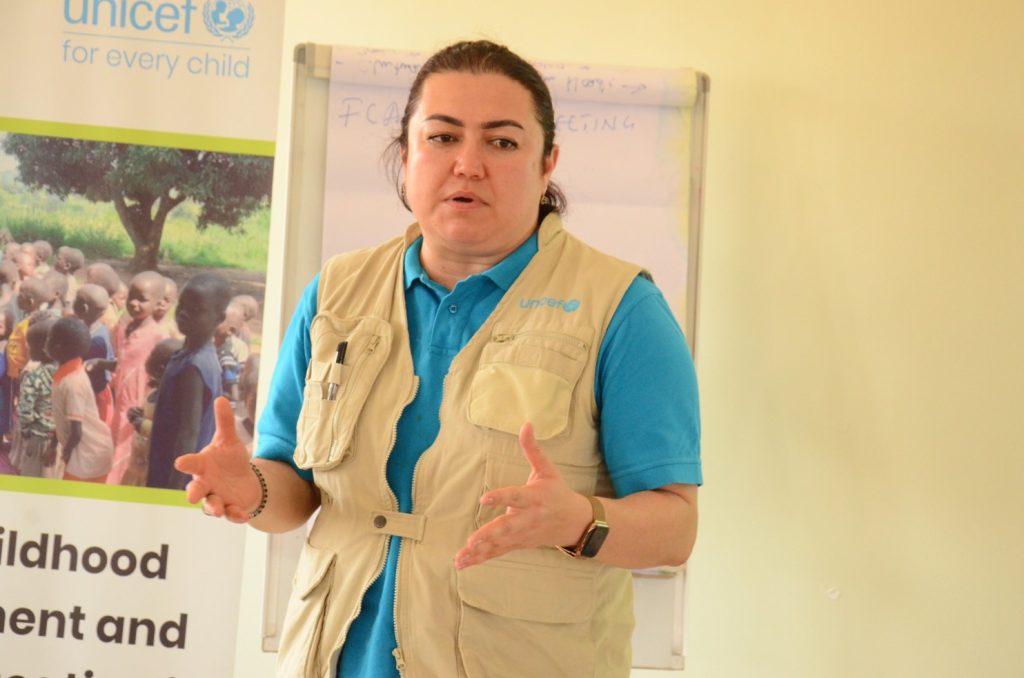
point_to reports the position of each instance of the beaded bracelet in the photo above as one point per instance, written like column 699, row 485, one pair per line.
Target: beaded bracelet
column 263, row 491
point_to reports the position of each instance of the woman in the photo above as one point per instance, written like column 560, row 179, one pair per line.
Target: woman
column 468, row 398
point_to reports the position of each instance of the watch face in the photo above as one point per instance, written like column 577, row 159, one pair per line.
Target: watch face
column 594, row 541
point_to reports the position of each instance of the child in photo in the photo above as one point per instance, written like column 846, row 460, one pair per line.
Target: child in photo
column 231, row 350
column 58, row 283
column 142, row 417
column 35, row 414
column 133, row 342
column 44, row 251
column 235, row 326
column 6, row 397
column 83, row 441
column 164, row 313
column 69, row 261
column 33, row 295
column 25, row 260
column 245, row 409
column 103, row 275
column 90, row 304
column 10, row 283
column 119, row 299
column 184, row 421
column 251, row 311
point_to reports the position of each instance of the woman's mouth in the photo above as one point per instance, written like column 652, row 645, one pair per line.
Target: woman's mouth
column 464, row 199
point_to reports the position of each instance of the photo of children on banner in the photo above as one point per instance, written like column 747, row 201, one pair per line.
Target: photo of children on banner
column 35, row 411
column 184, row 418
column 141, row 418
column 90, row 304
column 82, row 447
column 107, row 382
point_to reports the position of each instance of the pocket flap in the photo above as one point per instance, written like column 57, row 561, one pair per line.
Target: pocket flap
column 336, row 392
column 528, row 592
column 313, row 566
column 528, row 375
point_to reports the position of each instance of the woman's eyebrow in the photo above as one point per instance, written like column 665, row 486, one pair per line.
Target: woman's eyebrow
column 491, row 124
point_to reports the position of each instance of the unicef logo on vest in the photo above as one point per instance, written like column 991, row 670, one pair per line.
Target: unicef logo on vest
column 568, row 306
column 228, row 19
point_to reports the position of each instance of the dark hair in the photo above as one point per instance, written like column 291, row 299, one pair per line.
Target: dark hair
column 478, row 57
column 58, row 283
column 156, row 361
column 69, row 339
column 72, row 256
column 40, row 290
column 214, row 288
column 103, row 275
column 35, row 336
column 44, row 250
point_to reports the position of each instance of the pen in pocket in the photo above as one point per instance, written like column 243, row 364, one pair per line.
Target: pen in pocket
column 339, row 359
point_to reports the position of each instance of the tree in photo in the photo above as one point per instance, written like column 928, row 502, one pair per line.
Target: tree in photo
column 144, row 183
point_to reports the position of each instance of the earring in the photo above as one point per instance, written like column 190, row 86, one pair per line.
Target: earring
column 545, row 200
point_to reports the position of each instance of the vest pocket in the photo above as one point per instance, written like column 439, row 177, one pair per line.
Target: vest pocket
column 304, row 619
column 527, row 376
column 524, row 619
column 335, row 392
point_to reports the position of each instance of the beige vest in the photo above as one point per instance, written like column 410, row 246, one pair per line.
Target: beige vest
column 531, row 613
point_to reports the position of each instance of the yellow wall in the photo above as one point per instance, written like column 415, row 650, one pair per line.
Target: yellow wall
column 861, row 321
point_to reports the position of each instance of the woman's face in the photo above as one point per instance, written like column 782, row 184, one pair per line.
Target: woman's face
column 474, row 171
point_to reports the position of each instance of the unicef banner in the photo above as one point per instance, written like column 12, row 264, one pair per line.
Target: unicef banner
column 136, row 156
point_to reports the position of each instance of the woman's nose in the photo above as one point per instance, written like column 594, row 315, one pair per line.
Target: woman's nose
column 469, row 162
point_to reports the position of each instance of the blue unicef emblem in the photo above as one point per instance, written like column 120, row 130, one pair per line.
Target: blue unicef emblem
column 569, row 306
column 228, row 19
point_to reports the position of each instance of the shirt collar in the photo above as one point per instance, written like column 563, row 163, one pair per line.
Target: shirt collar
column 502, row 274
column 66, row 369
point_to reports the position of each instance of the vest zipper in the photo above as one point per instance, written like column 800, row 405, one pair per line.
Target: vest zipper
column 567, row 338
column 394, row 505
column 399, row 659
column 397, row 652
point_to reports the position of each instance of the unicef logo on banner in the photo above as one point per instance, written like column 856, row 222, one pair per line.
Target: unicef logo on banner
column 228, row 19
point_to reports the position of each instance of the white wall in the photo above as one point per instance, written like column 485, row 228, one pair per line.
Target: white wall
column 861, row 327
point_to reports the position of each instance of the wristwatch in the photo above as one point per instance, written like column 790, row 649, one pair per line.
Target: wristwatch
column 593, row 537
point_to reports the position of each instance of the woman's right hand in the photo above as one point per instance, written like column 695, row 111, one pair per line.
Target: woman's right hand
column 221, row 476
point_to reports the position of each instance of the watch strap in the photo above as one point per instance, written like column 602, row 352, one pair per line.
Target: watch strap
column 593, row 537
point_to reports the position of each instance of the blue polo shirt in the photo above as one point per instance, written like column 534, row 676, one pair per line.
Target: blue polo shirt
column 644, row 385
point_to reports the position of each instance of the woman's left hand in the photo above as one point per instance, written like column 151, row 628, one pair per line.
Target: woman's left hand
column 543, row 512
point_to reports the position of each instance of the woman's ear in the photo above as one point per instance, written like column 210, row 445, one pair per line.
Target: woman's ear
column 550, row 162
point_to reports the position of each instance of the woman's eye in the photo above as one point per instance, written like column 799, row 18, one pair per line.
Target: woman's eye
column 505, row 144
column 441, row 138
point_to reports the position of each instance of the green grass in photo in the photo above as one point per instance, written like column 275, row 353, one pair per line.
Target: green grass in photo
column 95, row 229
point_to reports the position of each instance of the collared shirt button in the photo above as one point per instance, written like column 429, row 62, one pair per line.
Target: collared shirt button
column 453, row 309
column 379, row 522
